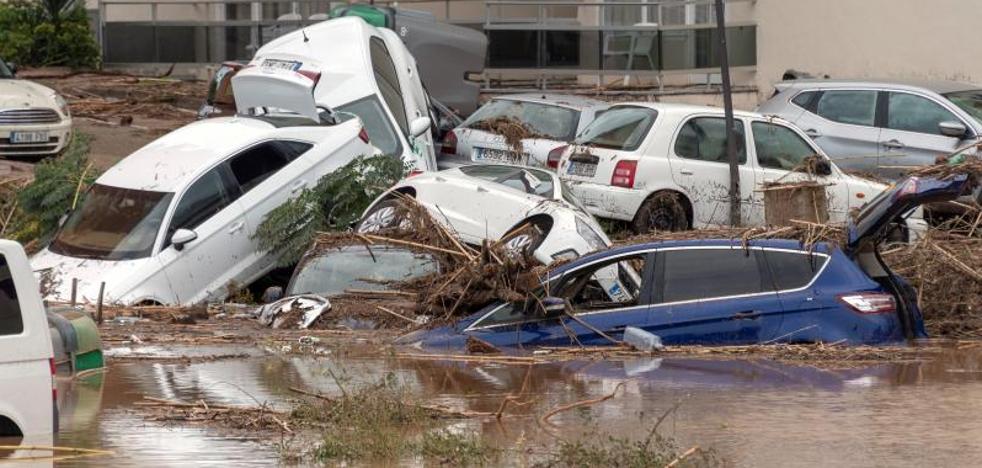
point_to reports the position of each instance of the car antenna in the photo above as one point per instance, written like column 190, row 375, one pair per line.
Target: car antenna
column 303, row 31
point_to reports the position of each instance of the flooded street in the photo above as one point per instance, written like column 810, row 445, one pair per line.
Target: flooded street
column 754, row 412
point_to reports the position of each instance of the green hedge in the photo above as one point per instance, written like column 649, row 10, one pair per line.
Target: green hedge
column 48, row 33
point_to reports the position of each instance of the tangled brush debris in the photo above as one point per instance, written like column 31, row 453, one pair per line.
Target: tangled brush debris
column 807, row 233
column 512, row 129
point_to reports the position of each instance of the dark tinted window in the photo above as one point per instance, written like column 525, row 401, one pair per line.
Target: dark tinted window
column 620, row 128
column 206, row 197
column 388, row 82
column 792, row 270
column 706, row 274
column 556, row 122
column 850, row 107
column 255, row 164
column 11, row 322
column 803, row 99
column 380, row 131
column 531, row 181
column 916, row 114
column 704, row 138
column 779, row 147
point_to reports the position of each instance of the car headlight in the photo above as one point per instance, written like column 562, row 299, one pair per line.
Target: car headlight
column 587, row 233
column 62, row 105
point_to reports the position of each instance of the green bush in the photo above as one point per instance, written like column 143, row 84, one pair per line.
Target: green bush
column 52, row 32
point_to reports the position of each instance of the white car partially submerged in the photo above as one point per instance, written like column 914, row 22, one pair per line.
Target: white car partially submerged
column 173, row 223
column 34, row 119
column 496, row 202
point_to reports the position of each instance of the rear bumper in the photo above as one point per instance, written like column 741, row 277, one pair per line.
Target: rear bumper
column 606, row 201
column 58, row 136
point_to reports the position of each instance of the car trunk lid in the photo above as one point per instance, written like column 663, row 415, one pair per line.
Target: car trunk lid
column 279, row 83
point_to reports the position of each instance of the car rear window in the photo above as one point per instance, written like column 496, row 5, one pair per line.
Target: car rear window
column 620, row 128
column 530, row 181
column 555, row 122
column 793, row 270
column 11, row 322
column 708, row 273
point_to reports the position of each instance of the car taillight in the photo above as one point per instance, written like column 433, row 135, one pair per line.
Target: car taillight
column 870, row 302
column 414, row 173
column 363, row 134
column 449, row 144
column 311, row 75
column 54, row 386
column 624, row 174
column 555, row 155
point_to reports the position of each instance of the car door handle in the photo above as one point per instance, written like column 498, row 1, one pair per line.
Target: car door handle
column 812, row 133
column 892, row 144
column 746, row 315
column 298, row 186
column 685, row 172
column 236, row 227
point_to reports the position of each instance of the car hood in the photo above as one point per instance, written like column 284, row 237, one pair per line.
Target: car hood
column 897, row 201
column 120, row 277
column 20, row 93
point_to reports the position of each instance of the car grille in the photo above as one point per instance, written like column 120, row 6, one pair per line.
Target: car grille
column 28, row 116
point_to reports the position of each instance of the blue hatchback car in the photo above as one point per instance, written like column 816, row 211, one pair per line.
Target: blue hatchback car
column 722, row 292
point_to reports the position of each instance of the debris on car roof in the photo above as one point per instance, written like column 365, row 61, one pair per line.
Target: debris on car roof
column 512, row 129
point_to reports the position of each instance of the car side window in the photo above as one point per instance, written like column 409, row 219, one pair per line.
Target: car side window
column 205, row 198
column 792, row 270
column 388, row 82
column 256, row 164
column 702, row 274
column 803, row 100
column 849, row 107
column 779, row 147
column 609, row 285
column 704, row 138
column 916, row 114
column 11, row 322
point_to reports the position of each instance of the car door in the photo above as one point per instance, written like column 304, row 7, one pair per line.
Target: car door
column 792, row 273
column 713, row 295
column 779, row 153
column 202, row 268
column 701, row 167
column 911, row 134
column 843, row 123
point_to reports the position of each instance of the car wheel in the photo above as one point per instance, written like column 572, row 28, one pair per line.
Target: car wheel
column 525, row 240
column 389, row 214
column 661, row 212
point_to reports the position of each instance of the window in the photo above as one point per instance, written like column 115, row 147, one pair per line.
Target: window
column 113, row 223
column 619, row 128
column 205, row 198
column 803, row 100
column 779, row 147
column 530, row 181
column 704, row 138
column 378, row 126
column 707, row 274
column 11, row 322
column 849, row 107
column 555, row 122
column 256, row 164
column 388, row 82
column 916, row 114
column 793, row 270
column 968, row 101
column 376, row 268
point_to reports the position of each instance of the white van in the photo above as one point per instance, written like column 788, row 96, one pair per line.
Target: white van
column 28, row 399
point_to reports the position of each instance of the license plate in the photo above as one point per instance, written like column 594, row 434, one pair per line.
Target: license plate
column 491, row 154
column 29, row 137
column 581, row 169
column 280, row 65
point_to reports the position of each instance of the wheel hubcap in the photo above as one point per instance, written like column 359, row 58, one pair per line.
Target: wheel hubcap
column 378, row 220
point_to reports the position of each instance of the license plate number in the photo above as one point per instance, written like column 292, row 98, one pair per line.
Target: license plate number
column 491, row 154
column 280, row 65
column 28, row 137
column 581, row 169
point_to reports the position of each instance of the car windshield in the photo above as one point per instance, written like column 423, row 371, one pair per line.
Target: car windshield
column 113, row 223
column 969, row 101
column 530, row 181
column 557, row 123
column 377, row 124
column 620, row 128
column 358, row 267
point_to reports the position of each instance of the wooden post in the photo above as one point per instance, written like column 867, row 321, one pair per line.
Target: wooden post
column 74, row 291
column 98, row 307
column 731, row 150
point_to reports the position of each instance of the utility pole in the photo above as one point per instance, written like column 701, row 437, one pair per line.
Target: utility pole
column 731, row 148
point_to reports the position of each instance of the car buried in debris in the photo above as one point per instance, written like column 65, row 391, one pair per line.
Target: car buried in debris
column 529, row 209
column 723, row 291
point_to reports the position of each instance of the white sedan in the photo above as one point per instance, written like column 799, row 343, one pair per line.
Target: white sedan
column 491, row 202
column 34, row 119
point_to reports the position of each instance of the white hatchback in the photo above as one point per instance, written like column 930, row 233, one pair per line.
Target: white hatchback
column 664, row 166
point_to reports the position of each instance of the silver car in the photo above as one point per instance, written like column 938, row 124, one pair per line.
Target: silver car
column 553, row 119
column 883, row 127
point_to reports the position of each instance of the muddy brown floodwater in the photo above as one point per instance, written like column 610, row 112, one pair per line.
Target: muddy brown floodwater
column 754, row 412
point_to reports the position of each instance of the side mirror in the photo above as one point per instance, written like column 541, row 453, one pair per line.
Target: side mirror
column 182, row 237
column 953, row 129
column 12, row 67
column 823, row 167
column 207, row 110
column 419, row 126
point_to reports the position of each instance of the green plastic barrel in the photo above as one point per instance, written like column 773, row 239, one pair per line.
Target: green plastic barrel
column 370, row 14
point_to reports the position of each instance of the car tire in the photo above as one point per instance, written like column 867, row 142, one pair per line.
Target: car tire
column 388, row 214
column 524, row 241
column 663, row 211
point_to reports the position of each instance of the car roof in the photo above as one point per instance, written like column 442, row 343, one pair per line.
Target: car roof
column 564, row 100
column 937, row 86
column 786, row 244
column 173, row 160
column 683, row 109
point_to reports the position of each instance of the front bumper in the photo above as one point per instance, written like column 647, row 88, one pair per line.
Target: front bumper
column 58, row 136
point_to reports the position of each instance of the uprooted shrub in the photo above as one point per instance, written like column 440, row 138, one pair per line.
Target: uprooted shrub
column 46, row 33
column 337, row 201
